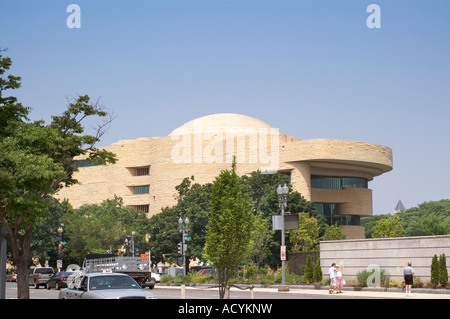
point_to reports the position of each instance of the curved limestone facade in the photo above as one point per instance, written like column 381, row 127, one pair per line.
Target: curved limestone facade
column 332, row 173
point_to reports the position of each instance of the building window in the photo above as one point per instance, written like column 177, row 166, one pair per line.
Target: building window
column 144, row 189
column 139, row 171
column 334, row 182
column 85, row 163
column 142, row 208
column 331, row 213
column 327, row 210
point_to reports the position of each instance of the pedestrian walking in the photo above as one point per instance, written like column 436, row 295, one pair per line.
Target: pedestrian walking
column 408, row 275
column 339, row 280
column 332, row 275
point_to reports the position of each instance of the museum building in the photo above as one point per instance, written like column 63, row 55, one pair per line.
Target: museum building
column 334, row 174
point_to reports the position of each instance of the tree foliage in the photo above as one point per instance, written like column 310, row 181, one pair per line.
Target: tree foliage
column 98, row 228
column 306, row 237
column 193, row 203
column 228, row 234
column 427, row 219
column 388, row 227
column 443, row 273
column 333, row 232
column 36, row 160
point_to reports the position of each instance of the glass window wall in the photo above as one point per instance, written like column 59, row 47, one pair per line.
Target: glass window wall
column 336, row 182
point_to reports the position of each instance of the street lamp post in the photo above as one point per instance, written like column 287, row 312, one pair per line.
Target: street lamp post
column 60, row 255
column 282, row 192
column 132, row 242
column 184, row 231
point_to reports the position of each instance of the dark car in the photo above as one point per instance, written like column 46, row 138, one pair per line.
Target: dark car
column 59, row 279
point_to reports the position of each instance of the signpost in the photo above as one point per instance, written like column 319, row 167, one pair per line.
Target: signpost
column 283, row 252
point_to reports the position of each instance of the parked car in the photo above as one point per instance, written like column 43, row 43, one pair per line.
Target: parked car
column 205, row 272
column 153, row 280
column 106, row 285
column 156, row 277
column 39, row 276
column 59, row 279
column 11, row 276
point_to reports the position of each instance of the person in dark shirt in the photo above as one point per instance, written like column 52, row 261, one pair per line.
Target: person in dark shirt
column 408, row 275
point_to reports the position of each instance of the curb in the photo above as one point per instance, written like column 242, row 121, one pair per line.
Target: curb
column 441, row 291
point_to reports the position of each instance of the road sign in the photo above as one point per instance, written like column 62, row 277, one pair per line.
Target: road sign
column 283, row 252
column 59, row 263
column 188, row 238
column 290, row 222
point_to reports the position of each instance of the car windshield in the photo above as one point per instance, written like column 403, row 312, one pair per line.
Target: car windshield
column 112, row 282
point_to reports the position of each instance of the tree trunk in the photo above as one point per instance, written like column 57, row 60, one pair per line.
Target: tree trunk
column 222, row 276
column 23, row 290
column 20, row 249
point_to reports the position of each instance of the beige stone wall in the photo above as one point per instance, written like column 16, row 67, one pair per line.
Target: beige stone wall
column 391, row 254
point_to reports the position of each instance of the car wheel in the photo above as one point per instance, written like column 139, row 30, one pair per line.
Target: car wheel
column 36, row 285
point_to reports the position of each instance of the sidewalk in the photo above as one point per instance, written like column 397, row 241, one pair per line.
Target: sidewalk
column 388, row 293
column 367, row 292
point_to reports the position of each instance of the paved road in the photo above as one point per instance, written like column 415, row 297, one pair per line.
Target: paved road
column 174, row 292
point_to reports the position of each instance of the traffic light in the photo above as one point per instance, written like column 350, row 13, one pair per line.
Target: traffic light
column 180, row 248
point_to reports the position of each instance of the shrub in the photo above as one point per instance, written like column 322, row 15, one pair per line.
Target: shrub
column 443, row 274
column 434, row 280
column 308, row 270
column 166, row 279
column 317, row 272
column 370, row 277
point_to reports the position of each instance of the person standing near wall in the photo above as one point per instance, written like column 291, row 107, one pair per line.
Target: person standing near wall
column 332, row 275
column 408, row 275
column 339, row 280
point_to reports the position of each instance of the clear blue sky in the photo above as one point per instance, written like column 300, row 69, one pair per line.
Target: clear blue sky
column 312, row 68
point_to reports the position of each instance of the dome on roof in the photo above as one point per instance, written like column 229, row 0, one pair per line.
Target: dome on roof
column 221, row 121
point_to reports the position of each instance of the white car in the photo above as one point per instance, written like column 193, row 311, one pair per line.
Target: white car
column 104, row 286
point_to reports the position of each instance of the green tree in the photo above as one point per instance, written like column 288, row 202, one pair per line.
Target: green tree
column 309, row 270
column 228, row 234
column 97, row 228
column 333, row 232
column 317, row 272
column 306, row 238
column 45, row 239
column 194, row 203
column 427, row 219
column 434, row 280
column 388, row 227
column 36, row 160
column 443, row 273
column 262, row 236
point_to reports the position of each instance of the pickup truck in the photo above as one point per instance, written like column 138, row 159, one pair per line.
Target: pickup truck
column 39, row 276
column 137, row 268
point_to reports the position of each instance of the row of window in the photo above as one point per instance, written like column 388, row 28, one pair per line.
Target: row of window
column 135, row 171
column 331, row 213
column 336, row 182
column 141, row 189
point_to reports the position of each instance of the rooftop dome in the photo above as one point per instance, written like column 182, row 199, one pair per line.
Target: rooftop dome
column 221, row 121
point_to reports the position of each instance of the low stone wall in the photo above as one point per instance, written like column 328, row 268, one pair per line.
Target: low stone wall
column 390, row 254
